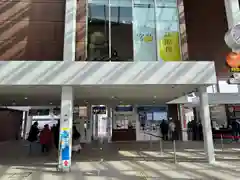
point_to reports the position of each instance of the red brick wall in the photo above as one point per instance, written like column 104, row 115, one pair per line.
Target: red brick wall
column 81, row 30
column 10, row 124
column 206, row 25
column 31, row 29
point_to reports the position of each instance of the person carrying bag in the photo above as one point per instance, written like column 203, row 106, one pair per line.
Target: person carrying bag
column 76, row 136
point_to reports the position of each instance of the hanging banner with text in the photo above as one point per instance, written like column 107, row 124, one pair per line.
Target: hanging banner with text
column 156, row 32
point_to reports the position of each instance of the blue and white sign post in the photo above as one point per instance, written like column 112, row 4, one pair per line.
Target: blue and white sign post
column 66, row 122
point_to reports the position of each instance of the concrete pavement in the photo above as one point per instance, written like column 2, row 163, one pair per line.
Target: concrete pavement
column 122, row 161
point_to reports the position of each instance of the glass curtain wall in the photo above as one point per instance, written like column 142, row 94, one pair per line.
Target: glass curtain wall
column 133, row 30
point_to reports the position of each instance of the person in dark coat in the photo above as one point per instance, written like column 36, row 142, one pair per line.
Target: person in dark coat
column 33, row 136
column 56, row 134
column 164, row 129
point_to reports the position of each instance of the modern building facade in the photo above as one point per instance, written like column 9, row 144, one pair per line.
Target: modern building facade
column 110, row 52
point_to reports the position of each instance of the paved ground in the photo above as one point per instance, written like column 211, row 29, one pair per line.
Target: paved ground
column 122, row 161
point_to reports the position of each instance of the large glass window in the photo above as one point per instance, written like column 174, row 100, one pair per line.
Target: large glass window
column 121, row 30
column 98, row 33
column 144, row 30
column 139, row 30
column 167, row 25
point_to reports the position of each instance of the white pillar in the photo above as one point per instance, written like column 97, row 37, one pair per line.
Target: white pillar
column 25, row 121
column 109, row 123
column 90, row 122
column 70, row 30
column 28, row 125
column 206, row 125
column 182, row 117
column 66, row 123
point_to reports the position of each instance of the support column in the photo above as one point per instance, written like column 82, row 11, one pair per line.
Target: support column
column 206, row 125
column 109, row 123
column 28, row 125
column 182, row 117
column 25, row 121
column 66, row 122
column 90, row 122
column 69, row 47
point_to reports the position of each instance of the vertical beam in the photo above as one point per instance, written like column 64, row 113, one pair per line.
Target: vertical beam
column 90, row 122
column 83, row 12
column 206, row 124
column 182, row 117
column 66, row 122
column 109, row 123
column 25, row 123
column 182, row 30
column 70, row 30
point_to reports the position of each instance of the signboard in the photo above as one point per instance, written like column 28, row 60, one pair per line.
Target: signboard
column 169, row 49
column 39, row 112
column 99, row 110
column 64, row 147
column 124, row 108
column 152, row 109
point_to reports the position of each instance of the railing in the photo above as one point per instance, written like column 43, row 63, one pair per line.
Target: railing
column 161, row 145
column 224, row 136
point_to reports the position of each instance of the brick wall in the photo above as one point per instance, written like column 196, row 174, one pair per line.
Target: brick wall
column 10, row 124
column 206, row 25
column 31, row 29
column 81, row 40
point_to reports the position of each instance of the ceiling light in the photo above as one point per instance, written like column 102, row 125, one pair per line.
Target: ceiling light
column 26, row 98
column 50, row 103
column 154, row 97
column 113, row 97
column 13, row 103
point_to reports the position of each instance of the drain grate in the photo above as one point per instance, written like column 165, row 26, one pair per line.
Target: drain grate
column 19, row 175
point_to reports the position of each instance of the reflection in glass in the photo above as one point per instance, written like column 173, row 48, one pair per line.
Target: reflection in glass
column 144, row 31
column 98, row 33
column 110, row 30
column 139, row 30
column 121, row 42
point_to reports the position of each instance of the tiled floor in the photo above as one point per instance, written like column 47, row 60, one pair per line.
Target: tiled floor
column 123, row 161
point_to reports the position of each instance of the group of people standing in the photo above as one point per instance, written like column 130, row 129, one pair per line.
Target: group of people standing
column 168, row 130
column 47, row 137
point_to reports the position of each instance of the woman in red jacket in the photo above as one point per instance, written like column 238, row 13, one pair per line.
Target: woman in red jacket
column 46, row 138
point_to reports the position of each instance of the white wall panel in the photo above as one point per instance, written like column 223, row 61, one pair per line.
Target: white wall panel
column 90, row 73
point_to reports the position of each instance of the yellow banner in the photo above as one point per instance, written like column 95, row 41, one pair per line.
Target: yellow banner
column 169, row 49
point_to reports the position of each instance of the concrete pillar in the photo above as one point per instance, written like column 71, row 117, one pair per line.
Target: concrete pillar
column 28, row 125
column 90, row 122
column 70, row 30
column 206, row 125
column 66, row 123
column 25, row 121
column 109, row 123
column 182, row 117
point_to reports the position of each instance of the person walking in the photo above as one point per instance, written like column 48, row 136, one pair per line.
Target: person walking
column 164, row 130
column 172, row 130
column 33, row 136
column 46, row 138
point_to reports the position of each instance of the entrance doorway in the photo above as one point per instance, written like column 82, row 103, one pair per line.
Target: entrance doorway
column 124, row 123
